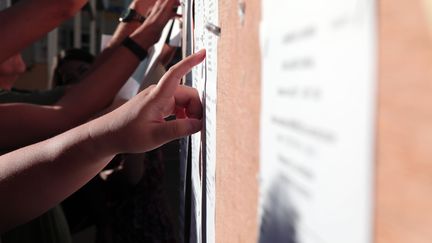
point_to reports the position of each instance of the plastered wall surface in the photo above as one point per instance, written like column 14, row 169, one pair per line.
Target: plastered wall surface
column 404, row 142
column 403, row 197
column 238, row 111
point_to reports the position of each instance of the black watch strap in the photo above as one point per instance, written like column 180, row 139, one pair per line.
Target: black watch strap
column 141, row 19
column 131, row 15
column 136, row 49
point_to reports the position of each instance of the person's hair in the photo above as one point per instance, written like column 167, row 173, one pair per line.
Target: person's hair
column 65, row 56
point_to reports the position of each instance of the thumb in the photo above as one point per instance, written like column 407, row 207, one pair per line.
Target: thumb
column 170, row 130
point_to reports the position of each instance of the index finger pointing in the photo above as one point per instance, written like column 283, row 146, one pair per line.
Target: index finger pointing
column 169, row 82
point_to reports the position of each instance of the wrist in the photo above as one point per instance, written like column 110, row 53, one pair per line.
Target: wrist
column 145, row 36
column 130, row 16
column 140, row 7
column 135, row 48
column 101, row 137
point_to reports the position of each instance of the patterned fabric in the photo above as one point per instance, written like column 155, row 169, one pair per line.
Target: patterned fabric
column 34, row 97
column 142, row 214
column 51, row 227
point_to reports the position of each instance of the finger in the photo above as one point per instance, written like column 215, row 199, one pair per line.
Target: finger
column 180, row 113
column 170, row 9
column 188, row 98
column 157, row 5
column 164, row 14
column 155, row 8
column 186, row 103
column 169, row 5
column 174, row 2
column 170, row 81
column 170, row 130
column 176, row 6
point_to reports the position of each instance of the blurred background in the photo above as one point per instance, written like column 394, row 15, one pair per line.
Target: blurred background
column 153, row 202
column 82, row 31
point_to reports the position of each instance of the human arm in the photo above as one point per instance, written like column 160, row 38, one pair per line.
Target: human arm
column 24, row 124
column 37, row 177
column 123, row 29
column 29, row 20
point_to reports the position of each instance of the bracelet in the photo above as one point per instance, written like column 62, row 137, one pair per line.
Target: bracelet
column 136, row 49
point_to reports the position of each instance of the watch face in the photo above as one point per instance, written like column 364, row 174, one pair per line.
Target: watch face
column 127, row 15
column 131, row 15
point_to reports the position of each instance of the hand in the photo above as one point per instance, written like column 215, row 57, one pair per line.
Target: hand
column 149, row 32
column 139, row 125
column 143, row 7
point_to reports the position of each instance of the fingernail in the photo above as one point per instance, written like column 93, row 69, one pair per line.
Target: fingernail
column 202, row 52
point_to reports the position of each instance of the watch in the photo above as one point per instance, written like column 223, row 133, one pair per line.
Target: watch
column 130, row 15
column 136, row 49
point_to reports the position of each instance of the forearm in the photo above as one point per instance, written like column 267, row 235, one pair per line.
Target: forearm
column 35, row 178
column 100, row 85
column 29, row 20
column 79, row 104
column 123, row 30
column 86, row 98
column 98, row 88
column 45, row 173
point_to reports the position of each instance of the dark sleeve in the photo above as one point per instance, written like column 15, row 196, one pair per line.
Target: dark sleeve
column 47, row 97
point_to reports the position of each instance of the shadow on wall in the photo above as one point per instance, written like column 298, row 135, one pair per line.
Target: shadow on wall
column 280, row 218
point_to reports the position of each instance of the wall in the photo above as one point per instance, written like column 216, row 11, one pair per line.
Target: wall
column 404, row 153
column 404, row 134
column 238, row 113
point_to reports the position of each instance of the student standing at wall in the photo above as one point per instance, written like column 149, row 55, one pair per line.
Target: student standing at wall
column 81, row 101
column 47, row 172
column 159, row 15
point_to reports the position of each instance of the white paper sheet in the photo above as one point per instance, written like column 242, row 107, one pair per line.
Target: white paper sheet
column 198, row 82
column 204, row 143
column 176, row 31
column 211, row 41
column 317, row 123
column 195, row 200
